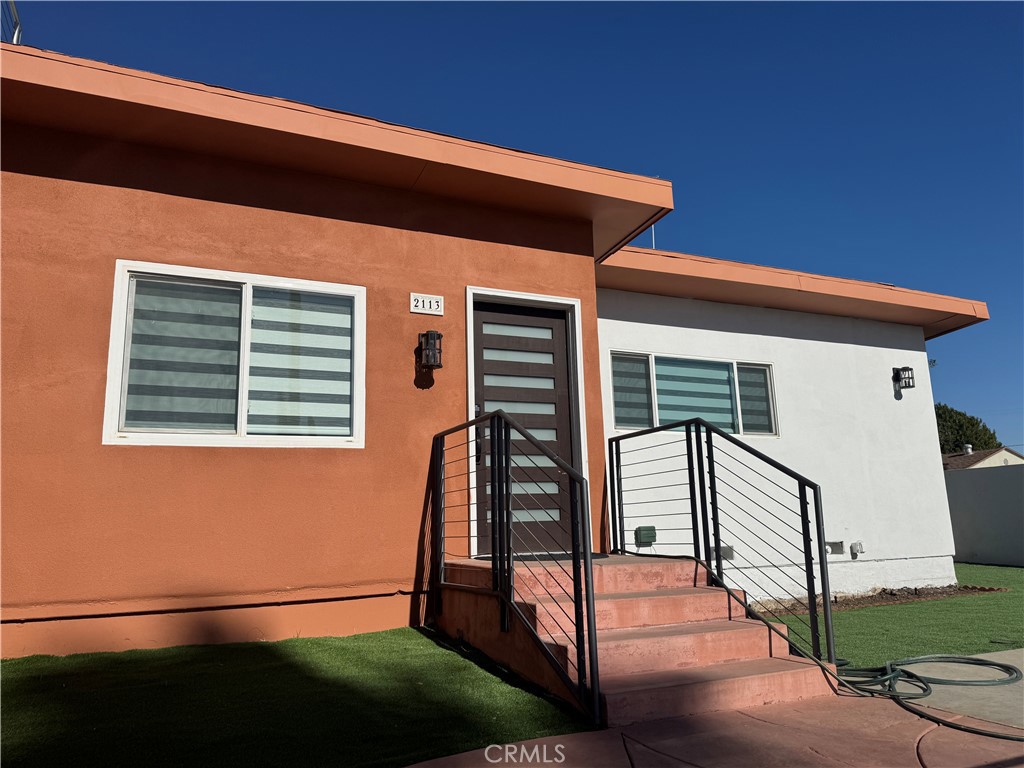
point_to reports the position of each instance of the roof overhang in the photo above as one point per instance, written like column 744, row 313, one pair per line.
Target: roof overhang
column 50, row 89
column 697, row 277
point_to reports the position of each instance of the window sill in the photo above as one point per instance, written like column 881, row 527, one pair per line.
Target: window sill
column 758, row 435
column 231, row 441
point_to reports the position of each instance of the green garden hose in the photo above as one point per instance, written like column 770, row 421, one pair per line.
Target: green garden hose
column 882, row 681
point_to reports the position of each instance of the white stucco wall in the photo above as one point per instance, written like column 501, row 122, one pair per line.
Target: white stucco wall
column 875, row 457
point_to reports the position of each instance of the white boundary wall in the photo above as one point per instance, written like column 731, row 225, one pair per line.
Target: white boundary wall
column 986, row 506
column 875, row 457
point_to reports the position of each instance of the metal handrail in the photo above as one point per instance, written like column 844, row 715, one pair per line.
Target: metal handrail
column 706, row 525
column 559, row 461
column 466, row 425
column 504, row 552
column 718, row 433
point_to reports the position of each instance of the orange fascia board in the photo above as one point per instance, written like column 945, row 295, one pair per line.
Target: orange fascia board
column 46, row 88
column 644, row 270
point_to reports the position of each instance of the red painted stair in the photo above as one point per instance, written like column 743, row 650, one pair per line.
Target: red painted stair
column 668, row 643
column 620, row 610
column 709, row 688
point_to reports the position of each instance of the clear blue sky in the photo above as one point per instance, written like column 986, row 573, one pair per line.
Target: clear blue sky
column 880, row 141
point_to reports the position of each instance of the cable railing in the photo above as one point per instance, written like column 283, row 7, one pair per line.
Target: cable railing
column 10, row 23
column 502, row 497
column 689, row 489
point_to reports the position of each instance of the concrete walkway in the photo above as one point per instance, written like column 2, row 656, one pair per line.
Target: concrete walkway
column 999, row 704
column 829, row 731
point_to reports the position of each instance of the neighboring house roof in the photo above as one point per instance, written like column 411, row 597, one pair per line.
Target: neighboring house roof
column 69, row 93
column 968, row 460
column 699, row 277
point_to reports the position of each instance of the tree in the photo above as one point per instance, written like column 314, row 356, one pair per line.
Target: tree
column 957, row 429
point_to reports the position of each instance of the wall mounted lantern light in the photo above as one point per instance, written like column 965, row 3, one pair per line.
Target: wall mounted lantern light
column 429, row 350
column 903, row 378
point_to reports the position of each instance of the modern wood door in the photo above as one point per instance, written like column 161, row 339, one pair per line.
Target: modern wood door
column 522, row 368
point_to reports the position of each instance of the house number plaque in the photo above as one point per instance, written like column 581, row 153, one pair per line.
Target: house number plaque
column 424, row 304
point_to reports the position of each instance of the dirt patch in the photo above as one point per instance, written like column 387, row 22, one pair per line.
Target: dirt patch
column 908, row 595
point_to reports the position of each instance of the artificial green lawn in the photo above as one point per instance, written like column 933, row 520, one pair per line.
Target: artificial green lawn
column 962, row 626
column 382, row 699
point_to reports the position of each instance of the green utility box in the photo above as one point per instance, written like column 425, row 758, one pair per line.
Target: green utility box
column 645, row 535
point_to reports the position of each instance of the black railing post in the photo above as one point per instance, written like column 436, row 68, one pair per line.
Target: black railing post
column 695, row 521
column 437, row 493
column 620, row 518
column 576, row 535
column 492, row 452
column 812, row 599
column 714, row 504
column 826, row 594
column 499, row 476
column 613, row 507
column 508, row 564
column 588, row 571
column 705, row 523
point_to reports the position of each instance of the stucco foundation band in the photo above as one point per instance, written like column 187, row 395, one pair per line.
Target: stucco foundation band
column 202, row 625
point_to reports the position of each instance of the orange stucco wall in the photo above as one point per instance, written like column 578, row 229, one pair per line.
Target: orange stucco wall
column 95, row 530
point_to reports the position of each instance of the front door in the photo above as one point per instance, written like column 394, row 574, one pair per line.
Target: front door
column 522, row 368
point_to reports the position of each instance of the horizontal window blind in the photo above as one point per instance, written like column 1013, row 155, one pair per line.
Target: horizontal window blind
column 755, row 399
column 690, row 389
column 182, row 367
column 300, row 363
column 631, row 392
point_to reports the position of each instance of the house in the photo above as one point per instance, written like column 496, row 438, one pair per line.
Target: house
column 990, row 457
column 221, row 393
column 805, row 364
column 214, row 422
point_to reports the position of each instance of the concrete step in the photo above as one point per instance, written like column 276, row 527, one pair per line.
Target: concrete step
column 678, row 646
column 615, row 574
column 617, row 577
column 633, row 698
column 633, row 609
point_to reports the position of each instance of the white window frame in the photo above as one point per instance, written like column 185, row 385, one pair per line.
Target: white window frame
column 120, row 320
column 735, row 388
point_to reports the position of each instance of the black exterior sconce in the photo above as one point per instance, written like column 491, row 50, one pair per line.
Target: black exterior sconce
column 903, row 378
column 429, row 350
